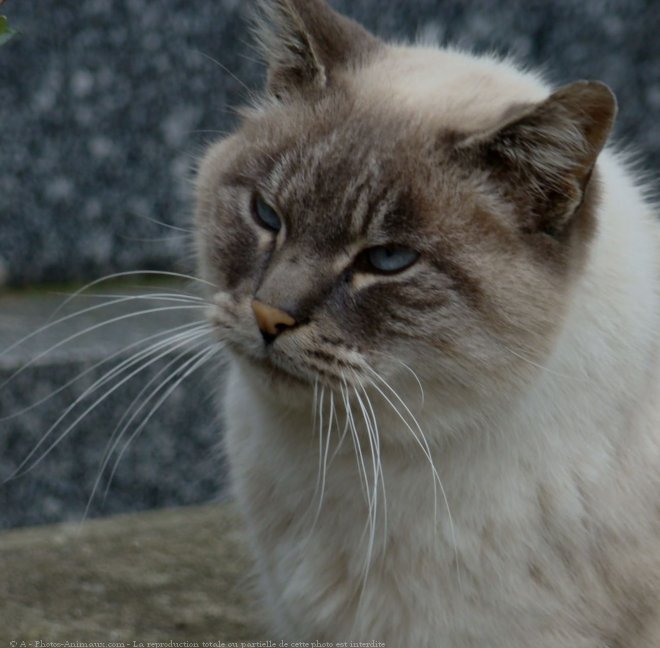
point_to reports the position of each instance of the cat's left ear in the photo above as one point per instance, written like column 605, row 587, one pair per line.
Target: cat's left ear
column 544, row 154
column 305, row 43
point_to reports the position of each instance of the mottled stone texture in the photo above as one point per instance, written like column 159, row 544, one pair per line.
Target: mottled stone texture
column 104, row 105
column 60, row 417
column 174, row 460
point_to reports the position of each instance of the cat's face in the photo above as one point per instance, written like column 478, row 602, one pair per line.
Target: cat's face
column 379, row 241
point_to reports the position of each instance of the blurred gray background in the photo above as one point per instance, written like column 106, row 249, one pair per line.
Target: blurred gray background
column 104, row 107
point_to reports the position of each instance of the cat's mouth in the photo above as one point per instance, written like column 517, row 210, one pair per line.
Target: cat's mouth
column 279, row 366
column 273, row 364
column 289, row 359
column 278, row 373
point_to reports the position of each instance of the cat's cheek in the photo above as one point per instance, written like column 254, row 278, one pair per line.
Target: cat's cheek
column 229, row 255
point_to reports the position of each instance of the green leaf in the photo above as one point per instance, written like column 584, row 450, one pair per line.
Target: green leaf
column 6, row 32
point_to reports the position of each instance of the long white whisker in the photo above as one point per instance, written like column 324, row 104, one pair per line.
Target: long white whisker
column 379, row 457
column 320, row 421
column 427, row 452
column 202, row 358
column 409, row 369
column 50, row 324
column 89, row 329
column 157, row 239
column 323, row 462
column 170, row 290
column 225, row 69
column 177, row 228
column 327, row 447
column 19, row 469
column 98, row 364
column 356, row 443
column 416, row 377
column 155, row 296
column 423, row 444
column 375, row 465
column 129, row 273
column 542, row 367
column 114, row 438
column 342, row 436
column 368, row 531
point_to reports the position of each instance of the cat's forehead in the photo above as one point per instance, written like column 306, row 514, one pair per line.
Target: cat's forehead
column 334, row 131
column 347, row 181
column 369, row 150
column 446, row 88
column 353, row 153
column 335, row 165
column 379, row 123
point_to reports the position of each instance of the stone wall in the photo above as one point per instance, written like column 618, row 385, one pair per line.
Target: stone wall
column 105, row 104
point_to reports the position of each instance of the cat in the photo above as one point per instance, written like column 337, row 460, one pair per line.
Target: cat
column 439, row 293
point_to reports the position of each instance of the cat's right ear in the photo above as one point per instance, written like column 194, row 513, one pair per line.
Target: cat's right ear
column 544, row 156
column 305, row 43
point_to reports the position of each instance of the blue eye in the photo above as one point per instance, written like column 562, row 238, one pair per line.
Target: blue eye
column 389, row 258
column 266, row 216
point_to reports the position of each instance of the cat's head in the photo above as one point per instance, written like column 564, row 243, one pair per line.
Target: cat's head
column 383, row 209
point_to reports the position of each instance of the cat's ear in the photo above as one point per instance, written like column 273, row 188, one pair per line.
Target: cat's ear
column 545, row 153
column 305, row 42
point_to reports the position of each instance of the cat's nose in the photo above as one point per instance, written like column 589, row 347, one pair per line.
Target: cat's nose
column 271, row 321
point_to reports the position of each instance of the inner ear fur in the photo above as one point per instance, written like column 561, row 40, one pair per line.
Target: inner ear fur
column 544, row 155
column 305, row 42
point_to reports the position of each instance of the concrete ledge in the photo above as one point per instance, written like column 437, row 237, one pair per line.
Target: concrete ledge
column 178, row 574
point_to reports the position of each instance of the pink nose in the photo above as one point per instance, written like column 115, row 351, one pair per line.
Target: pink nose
column 270, row 320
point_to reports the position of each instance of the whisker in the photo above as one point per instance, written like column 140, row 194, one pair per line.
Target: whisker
column 155, row 239
column 50, row 324
column 129, row 273
column 171, row 290
column 368, row 530
column 95, row 366
column 356, row 443
column 120, row 300
column 341, row 438
column 114, row 437
column 225, row 69
column 375, row 461
column 201, row 358
column 408, row 368
column 320, row 420
column 323, row 462
column 416, row 377
column 424, row 445
column 177, row 228
column 380, row 464
column 89, row 329
column 542, row 367
column 19, row 470
column 176, row 297
column 317, row 415
column 327, row 448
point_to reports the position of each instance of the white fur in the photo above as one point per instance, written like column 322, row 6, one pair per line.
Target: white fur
column 530, row 487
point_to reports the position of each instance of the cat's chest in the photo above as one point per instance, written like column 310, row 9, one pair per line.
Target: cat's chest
column 491, row 542
column 338, row 567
